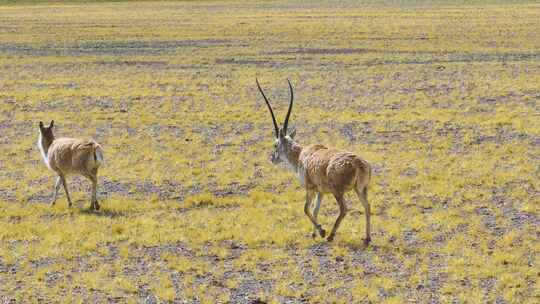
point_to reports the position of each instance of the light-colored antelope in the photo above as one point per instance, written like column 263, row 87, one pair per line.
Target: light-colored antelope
column 66, row 156
column 321, row 170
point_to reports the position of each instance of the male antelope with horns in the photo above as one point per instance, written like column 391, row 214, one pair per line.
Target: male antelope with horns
column 67, row 156
column 321, row 170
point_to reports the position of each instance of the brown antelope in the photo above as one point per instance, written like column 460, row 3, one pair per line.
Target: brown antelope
column 67, row 156
column 321, row 170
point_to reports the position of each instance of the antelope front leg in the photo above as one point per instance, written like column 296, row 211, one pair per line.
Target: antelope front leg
column 63, row 178
column 316, row 213
column 55, row 190
column 309, row 199
column 342, row 213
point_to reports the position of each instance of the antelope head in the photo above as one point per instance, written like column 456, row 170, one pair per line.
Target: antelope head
column 46, row 134
column 283, row 141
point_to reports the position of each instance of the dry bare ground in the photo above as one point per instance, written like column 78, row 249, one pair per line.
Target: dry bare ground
column 441, row 97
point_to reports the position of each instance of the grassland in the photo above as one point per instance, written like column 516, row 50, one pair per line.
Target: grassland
column 442, row 99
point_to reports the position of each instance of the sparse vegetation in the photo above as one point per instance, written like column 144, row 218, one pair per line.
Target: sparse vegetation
column 441, row 98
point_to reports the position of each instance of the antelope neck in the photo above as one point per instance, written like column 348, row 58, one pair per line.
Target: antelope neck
column 293, row 154
column 45, row 144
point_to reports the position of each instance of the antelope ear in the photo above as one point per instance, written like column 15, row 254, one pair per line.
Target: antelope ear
column 41, row 124
column 292, row 134
column 52, row 124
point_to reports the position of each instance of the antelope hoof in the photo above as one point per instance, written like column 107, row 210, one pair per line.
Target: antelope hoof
column 314, row 235
column 52, row 203
column 322, row 232
column 330, row 237
column 96, row 206
column 367, row 240
column 70, row 204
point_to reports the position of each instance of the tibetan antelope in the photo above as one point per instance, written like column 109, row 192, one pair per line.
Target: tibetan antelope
column 67, row 156
column 321, row 170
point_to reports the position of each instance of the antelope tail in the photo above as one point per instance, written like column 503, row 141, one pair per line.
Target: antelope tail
column 98, row 154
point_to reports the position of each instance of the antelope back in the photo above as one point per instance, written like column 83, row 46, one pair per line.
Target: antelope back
column 332, row 170
column 71, row 155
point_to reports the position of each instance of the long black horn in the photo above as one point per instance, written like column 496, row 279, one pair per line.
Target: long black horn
column 289, row 111
column 276, row 128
